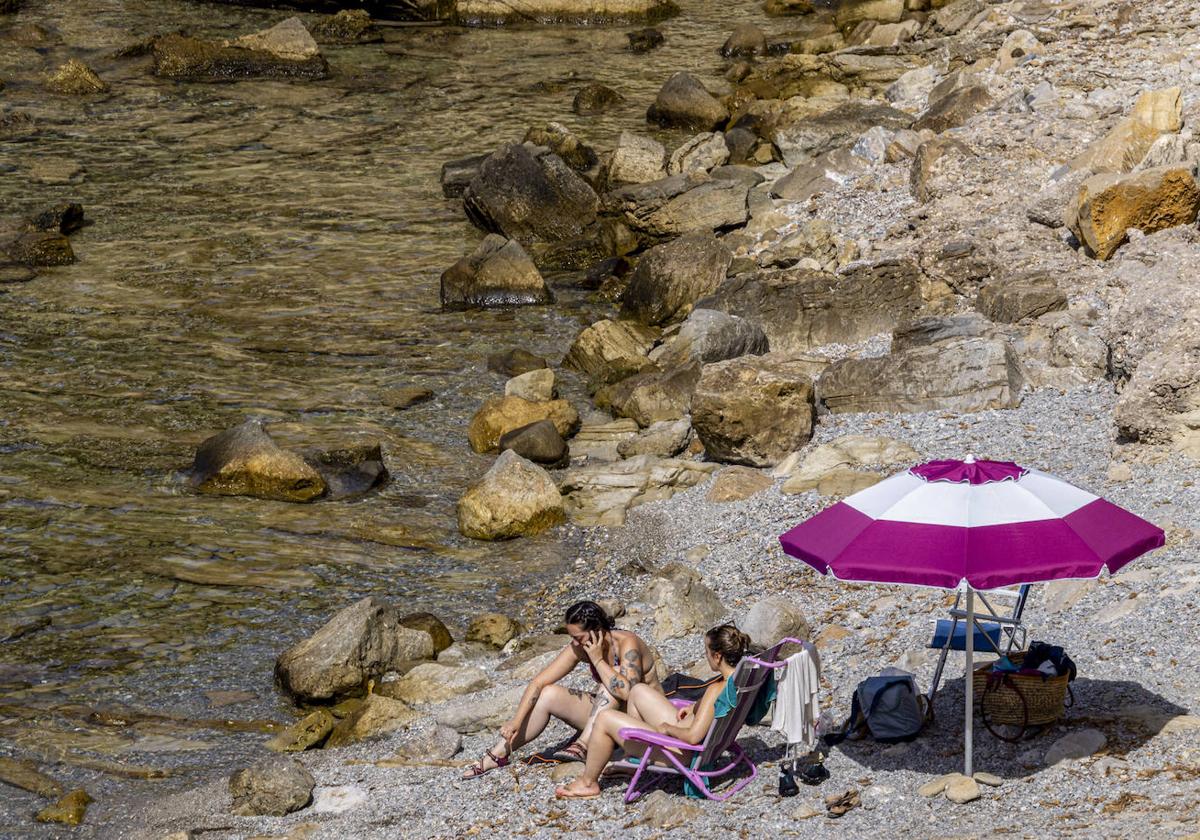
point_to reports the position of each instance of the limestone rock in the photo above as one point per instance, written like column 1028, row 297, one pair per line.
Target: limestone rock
column 595, row 99
column 1076, row 745
column 663, row 811
column 1108, row 205
column 637, row 160
column 935, row 786
column 39, row 248
column 539, row 442
column 533, row 386
column 753, row 410
column 851, row 13
column 799, row 309
column 683, row 102
column 425, row 622
column 76, row 78
column 245, row 461
column 272, row 787
column 602, row 494
column 599, row 441
column 515, row 498
column 457, row 174
column 734, row 484
column 699, row 154
column 359, row 642
column 499, row 415
column 709, row 335
column 26, row 776
column 609, row 351
column 953, row 109
column 310, row 731
column 193, row 59
column 287, row 39
column 931, row 157
column 989, row 779
column 663, row 439
column 375, row 716
column 349, row 470
column 497, row 273
column 962, row 790
column 800, row 134
column 771, row 619
column 1127, row 143
column 494, row 629
column 837, row 468
column 1162, row 109
column 349, row 26
column 681, row 204
column 431, row 682
column 682, row 603
column 531, row 195
column 405, row 397
column 573, row 12
column 670, row 278
column 484, row 711
column 69, row 810
column 745, row 40
column 563, row 142
column 653, row 396
column 1161, row 401
column 1020, row 298
column 514, row 362
column 429, row 741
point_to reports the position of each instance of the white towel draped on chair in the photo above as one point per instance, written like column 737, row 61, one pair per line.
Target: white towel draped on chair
column 796, row 708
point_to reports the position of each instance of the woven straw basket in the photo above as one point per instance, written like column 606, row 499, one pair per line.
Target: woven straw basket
column 1020, row 700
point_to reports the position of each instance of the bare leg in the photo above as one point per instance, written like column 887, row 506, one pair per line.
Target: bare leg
column 651, row 705
column 568, row 705
column 605, row 739
column 604, row 700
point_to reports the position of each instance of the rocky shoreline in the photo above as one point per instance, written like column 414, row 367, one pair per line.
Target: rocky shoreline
column 926, row 230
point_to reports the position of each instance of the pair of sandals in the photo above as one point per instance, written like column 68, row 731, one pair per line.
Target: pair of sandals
column 575, row 751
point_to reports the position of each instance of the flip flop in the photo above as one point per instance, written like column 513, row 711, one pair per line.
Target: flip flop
column 563, row 793
column 574, row 751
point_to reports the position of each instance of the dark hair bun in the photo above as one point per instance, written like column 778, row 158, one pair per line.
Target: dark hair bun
column 589, row 615
column 729, row 642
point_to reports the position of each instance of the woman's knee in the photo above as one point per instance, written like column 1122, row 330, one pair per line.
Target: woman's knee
column 607, row 720
column 641, row 691
column 550, row 695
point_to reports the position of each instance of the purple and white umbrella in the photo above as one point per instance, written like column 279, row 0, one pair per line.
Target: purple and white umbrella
column 972, row 525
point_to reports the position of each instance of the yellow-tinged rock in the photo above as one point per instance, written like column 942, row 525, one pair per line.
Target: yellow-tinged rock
column 69, row 810
column 1162, row 110
column 503, row 414
column 76, row 78
column 376, row 716
column 1155, row 113
column 307, row 732
column 1108, row 205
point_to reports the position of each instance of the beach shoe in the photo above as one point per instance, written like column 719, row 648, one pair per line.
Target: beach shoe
column 477, row 769
column 839, row 805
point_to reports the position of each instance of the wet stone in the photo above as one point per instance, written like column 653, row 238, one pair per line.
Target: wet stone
column 39, row 248
column 69, row 810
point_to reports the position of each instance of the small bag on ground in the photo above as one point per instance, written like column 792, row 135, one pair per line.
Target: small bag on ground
column 888, row 707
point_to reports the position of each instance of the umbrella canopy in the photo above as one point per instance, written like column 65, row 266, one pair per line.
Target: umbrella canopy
column 975, row 525
column 983, row 523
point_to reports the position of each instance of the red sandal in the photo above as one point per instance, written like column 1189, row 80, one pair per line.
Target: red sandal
column 478, row 769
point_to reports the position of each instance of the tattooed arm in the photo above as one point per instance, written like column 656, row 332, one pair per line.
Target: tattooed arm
column 621, row 679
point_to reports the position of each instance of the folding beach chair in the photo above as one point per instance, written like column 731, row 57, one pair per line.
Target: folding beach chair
column 751, row 676
column 996, row 630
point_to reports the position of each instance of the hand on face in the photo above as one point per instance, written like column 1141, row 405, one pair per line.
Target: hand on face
column 593, row 645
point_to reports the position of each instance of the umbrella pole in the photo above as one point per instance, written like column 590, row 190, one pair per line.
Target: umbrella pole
column 970, row 682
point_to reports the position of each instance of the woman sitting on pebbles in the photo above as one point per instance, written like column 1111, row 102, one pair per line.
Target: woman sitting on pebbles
column 619, row 662
column 649, row 708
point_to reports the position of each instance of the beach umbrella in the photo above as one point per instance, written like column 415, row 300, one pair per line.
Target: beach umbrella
column 971, row 525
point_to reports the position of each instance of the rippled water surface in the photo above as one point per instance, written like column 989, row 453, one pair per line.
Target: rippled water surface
column 262, row 248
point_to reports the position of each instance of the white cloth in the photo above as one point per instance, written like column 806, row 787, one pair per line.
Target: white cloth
column 796, row 711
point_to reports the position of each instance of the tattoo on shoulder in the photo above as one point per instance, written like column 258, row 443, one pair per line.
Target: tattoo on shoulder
column 634, row 655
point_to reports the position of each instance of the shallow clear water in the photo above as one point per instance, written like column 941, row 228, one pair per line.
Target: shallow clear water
column 273, row 249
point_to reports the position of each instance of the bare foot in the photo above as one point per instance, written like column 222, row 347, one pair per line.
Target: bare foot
column 578, row 789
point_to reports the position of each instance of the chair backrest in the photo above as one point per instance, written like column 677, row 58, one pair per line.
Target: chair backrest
column 749, row 678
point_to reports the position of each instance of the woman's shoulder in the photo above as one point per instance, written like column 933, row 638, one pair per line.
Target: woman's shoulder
column 627, row 638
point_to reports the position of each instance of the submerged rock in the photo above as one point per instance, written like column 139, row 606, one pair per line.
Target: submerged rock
column 77, row 79
column 245, row 461
column 349, row 26
column 595, row 99
column 306, row 733
column 26, row 776
column 515, row 498
column 349, row 471
column 492, row 12
column 38, row 248
column 273, row 787
column 361, row 641
column 683, row 102
column 285, row 51
column 69, row 810
column 497, row 273
column 515, row 362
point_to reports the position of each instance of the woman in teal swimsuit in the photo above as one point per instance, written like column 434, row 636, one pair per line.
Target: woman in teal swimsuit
column 650, row 709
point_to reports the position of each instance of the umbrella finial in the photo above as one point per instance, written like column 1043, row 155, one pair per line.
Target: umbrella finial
column 970, row 459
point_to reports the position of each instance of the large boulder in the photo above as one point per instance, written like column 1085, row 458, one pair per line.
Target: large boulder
column 953, row 109
column 653, row 396
column 602, row 494
column 799, row 308
column 963, row 375
column 701, row 153
column 1160, row 403
column 497, row 273
column 539, row 442
column 843, row 466
column 609, row 351
column 636, row 159
column 245, row 461
column 376, row 716
column 530, row 194
column 360, row 642
column 429, row 623
column 273, row 787
column 850, row 13
column 1108, row 205
column 683, row 102
column 709, row 335
column 683, row 603
column 499, row 415
column 753, row 410
column 801, row 134
column 1014, row 299
column 681, row 204
column 671, row 277
column 1155, row 113
column 432, row 682
column 515, row 498
column 664, row 439
column 285, row 51
column 772, row 619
